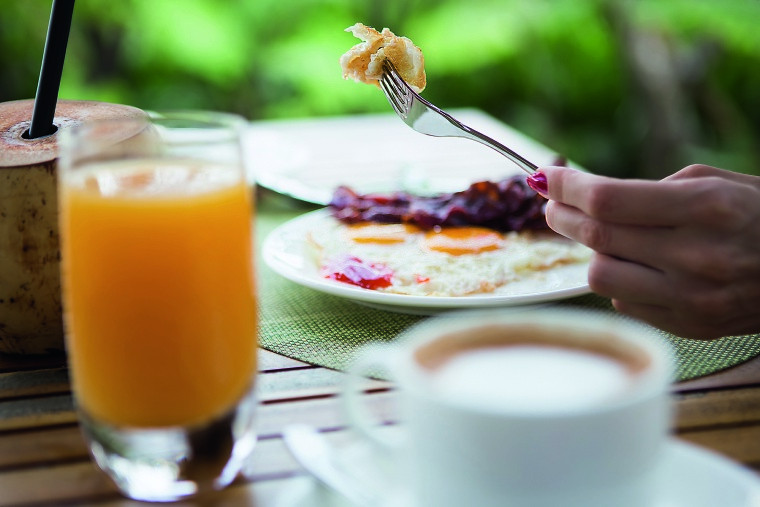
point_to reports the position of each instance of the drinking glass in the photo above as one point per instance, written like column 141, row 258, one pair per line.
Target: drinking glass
column 159, row 299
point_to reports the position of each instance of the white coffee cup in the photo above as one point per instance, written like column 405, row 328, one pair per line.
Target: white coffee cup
column 540, row 407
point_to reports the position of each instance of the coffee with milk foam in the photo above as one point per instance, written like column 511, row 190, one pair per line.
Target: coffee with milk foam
column 531, row 371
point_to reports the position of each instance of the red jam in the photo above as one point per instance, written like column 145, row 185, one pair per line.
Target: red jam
column 354, row 271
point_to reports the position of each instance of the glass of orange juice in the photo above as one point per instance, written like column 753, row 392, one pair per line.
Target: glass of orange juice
column 159, row 299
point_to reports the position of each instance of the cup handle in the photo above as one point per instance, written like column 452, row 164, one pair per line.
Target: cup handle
column 371, row 358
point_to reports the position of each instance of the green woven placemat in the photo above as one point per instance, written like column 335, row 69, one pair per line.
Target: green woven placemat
column 326, row 330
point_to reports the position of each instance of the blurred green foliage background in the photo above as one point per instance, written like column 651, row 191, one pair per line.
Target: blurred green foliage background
column 625, row 88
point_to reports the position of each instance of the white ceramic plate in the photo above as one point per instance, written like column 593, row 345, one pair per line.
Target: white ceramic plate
column 307, row 158
column 285, row 251
column 689, row 476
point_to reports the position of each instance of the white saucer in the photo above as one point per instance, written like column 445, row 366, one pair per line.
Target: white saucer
column 690, row 476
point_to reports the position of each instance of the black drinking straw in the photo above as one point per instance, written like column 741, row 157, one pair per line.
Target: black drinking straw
column 52, row 67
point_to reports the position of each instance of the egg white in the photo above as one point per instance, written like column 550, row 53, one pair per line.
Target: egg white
column 418, row 270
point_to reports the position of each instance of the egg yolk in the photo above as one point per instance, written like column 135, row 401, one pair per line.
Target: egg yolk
column 380, row 233
column 463, row 240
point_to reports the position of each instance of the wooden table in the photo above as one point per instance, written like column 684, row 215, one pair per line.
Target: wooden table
column 43, row 460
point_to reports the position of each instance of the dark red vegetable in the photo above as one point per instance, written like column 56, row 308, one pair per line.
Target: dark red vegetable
column 506, row 205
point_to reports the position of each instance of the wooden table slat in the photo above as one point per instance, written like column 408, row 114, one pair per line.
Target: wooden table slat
column 43, row 446
column 61, row 483
column 742, row 375
column 738, row 443
column 270, row 492
column 283, row 385
column 35, row 412
column 293, row 384
column 269, row 361
column 715, row 408
column 33, row 382
column 14, row 363
column 81, row 480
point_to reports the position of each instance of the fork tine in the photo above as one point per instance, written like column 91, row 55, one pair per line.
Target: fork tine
column 412, row 108
column 399, row 85
column 390, row 94
column 394, row 85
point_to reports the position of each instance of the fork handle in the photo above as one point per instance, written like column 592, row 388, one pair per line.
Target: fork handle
column 524, row 164
column 472, row 134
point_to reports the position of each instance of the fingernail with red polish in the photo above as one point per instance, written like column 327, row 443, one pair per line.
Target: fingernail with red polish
column 537, row 181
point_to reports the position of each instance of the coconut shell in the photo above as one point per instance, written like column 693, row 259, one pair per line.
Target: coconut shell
column 30, row 290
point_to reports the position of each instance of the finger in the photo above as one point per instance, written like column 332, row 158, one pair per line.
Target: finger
column 638, row 244
column 706, row 171
column 638, row 202
column 628, row 281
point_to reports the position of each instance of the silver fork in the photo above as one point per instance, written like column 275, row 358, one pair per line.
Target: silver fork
column 428, row 119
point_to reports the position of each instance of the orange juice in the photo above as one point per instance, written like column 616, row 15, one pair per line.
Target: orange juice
column 159, row 294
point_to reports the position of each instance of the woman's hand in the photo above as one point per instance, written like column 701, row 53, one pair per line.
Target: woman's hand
column 682, row 253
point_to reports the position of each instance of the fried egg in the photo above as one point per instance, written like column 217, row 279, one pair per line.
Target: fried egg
column 448, row 261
